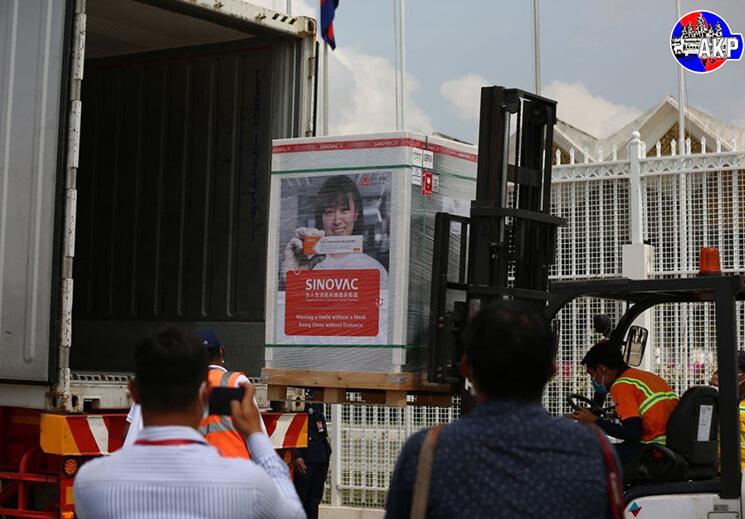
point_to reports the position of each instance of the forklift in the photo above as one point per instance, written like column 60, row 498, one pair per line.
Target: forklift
column 504, row 250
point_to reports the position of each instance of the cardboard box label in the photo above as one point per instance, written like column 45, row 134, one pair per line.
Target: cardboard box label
column 428, row 159
column 427, row 183
column 416, row 176
column 333, row 303
column 416, row 157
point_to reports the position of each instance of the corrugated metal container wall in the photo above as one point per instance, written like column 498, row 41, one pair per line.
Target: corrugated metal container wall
column 172, row 202
column 31, row 75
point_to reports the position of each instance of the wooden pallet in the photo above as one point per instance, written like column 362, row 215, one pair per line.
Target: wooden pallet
column 390, row 389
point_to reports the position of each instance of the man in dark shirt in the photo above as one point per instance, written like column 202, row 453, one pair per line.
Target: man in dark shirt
column 508, row 457
column 312, row 463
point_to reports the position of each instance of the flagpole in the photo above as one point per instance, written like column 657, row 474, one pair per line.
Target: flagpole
column 536, row 49
column 681, row 100
column 401, row 64
column 395, row 59
column 396, row 68
column 325, row 88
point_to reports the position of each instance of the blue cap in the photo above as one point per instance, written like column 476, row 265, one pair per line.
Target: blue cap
column 209, row 339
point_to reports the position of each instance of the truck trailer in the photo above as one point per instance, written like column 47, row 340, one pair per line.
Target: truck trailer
column 135, row 139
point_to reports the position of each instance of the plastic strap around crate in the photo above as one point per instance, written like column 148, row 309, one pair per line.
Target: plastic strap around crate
column 381, row 346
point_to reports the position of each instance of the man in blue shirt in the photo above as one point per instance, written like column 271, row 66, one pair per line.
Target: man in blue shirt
column 508, row 457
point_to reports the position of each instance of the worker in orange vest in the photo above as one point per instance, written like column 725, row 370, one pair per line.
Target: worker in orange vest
column 219, row 430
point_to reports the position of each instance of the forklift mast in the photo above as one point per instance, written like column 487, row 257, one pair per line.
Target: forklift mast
column 505, row 249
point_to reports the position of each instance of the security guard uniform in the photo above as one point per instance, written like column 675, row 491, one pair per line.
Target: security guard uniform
column 316, row 456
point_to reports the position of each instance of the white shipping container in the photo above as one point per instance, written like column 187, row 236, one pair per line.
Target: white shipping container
column 357, row 308
column 137, row 140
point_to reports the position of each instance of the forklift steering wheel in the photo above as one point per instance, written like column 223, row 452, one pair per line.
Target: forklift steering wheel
column 576, row 401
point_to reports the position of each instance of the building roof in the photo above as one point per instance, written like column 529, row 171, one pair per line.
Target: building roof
column 652, row 125
column 567, row 136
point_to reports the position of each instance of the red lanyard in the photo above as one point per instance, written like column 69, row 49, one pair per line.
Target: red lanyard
column 167, row 443
column 612, row 475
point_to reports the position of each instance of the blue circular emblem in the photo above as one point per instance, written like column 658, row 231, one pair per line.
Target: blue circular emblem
column 702, row 42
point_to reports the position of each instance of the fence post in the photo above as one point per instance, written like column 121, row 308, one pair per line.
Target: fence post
column 637, row 256
column 635, row 189
column 335, row 437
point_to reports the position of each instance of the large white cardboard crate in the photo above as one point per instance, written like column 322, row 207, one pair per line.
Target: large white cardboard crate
column 350, row 309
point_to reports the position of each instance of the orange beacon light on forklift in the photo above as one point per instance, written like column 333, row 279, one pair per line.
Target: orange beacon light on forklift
column 709, row 264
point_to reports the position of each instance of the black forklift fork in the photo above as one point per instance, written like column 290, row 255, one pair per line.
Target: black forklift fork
column 506, row 247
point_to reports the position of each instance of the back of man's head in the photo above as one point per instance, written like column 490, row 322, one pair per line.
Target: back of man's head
column 169, row 369
column 511, row 350
column 604, row 352
column 211, row 343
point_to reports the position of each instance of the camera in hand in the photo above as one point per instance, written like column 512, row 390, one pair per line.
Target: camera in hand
column 220, row 399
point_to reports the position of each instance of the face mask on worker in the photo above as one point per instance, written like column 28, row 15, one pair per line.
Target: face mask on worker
column 599, row 387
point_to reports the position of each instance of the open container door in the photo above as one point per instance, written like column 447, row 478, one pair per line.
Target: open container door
column 181, row 101
column 34, row 76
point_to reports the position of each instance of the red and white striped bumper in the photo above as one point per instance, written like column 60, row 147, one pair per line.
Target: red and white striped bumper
column 81, row 435
column 287, row 430
column 93, row 435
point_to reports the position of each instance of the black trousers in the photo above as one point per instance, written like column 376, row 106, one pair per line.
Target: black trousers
column 310, row 485
column 628, row 451
column 628, row 454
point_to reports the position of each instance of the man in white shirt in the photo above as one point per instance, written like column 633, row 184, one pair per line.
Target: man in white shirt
column 170, row 470
column 133, row 426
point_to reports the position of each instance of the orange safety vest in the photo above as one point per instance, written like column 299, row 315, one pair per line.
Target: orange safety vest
column 219, row 430
column 642, row 394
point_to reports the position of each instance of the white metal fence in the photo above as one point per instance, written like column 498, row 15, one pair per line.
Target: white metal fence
column 366, row 441
column 677, row 204
column 690, row 202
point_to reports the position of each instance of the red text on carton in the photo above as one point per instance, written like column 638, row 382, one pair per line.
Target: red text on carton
column 333, row 303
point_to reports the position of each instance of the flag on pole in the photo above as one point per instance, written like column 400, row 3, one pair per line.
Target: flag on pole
column 328, row 9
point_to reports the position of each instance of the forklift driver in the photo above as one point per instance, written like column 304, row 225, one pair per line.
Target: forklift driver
column 643, row 400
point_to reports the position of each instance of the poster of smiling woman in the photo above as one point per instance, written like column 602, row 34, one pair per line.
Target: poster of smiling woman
column 333, row 262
